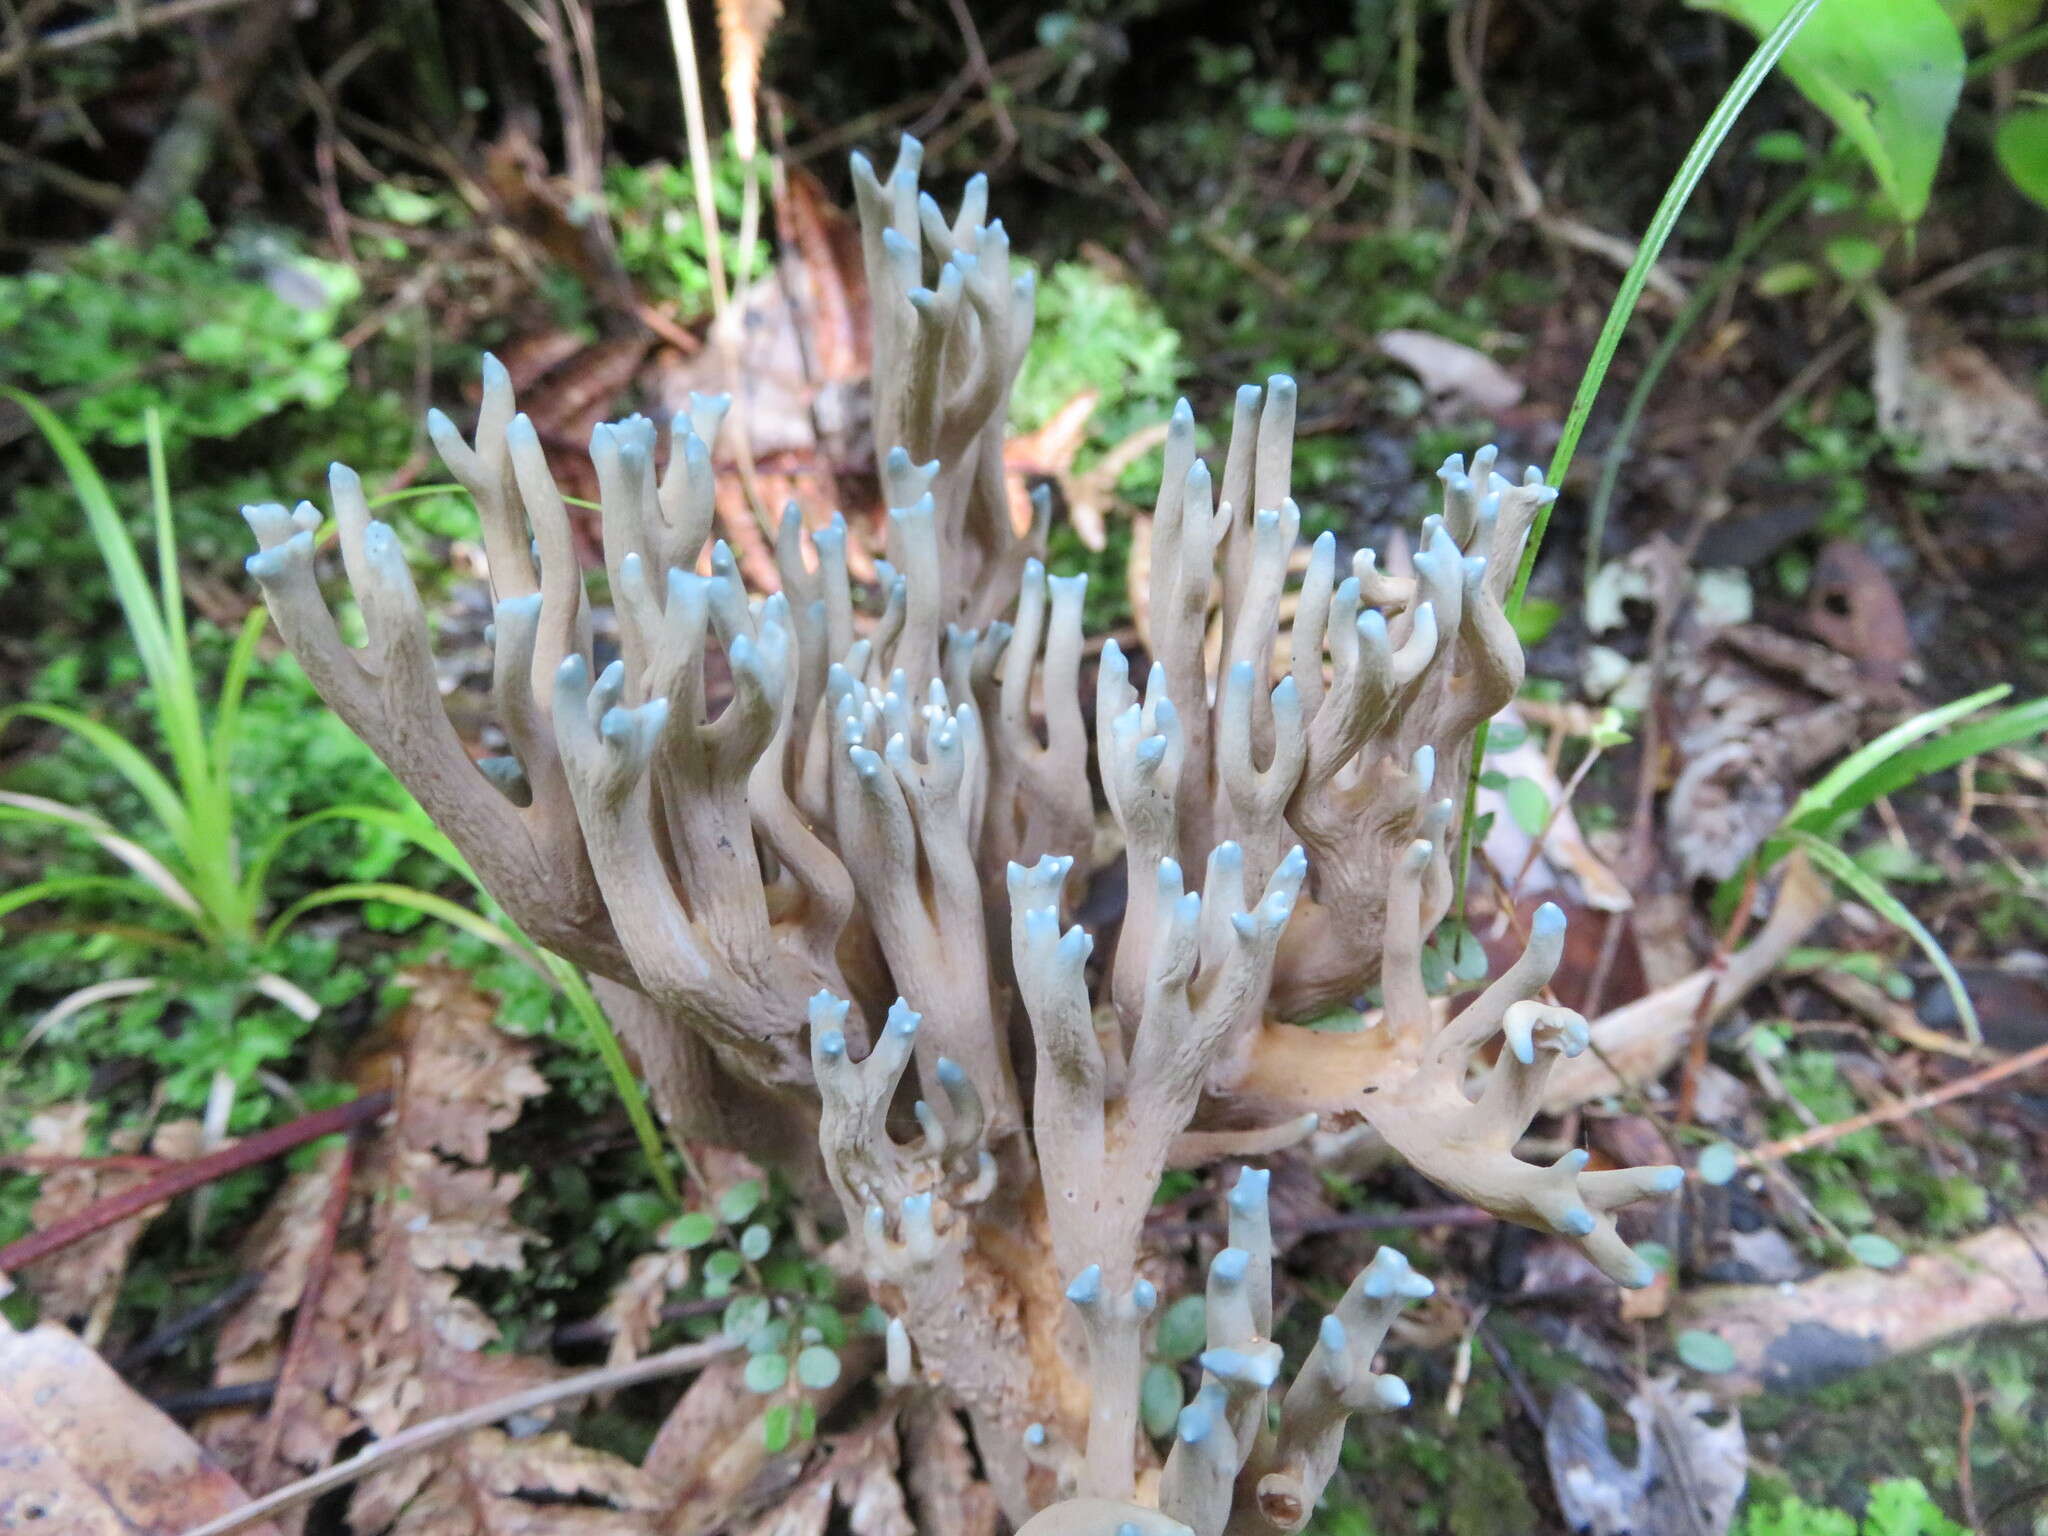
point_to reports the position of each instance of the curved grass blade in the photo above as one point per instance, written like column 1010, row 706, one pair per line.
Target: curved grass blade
column 1868, row 889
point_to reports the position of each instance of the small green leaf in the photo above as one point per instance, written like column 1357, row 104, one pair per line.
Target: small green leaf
column 1707, row 1353
column 771, row 1338
column 2022, row 146
column 1786, row 277
column 1656, row 1255
column 1538, row 616
column 1877, row 1252
column 1781, row 146
column 692, row 1229
column 1868, row 890
column 740, row 1202
column 1853, row 258
column 745, row 1315
column 817, row 1367
column 1183, row 1331
column 756, row 1241
column 1529, row 805
column 775, row 1427
column 720, row 1270
column 1468, row 957
column 1718, row 1163
column 766, row 1373
column 1160, row 1399
column 1505, row 736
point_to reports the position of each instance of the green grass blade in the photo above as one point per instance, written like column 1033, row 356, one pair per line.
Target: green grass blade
column 1834, row 785
column 170, row 589
column 583, row 1003
column 147, row 780
column 426, row 903
column 234, row 684
column 58, row 887
column 160, row 876
column 1973, row 740
column 1868, row 889
column 103, row 520
column 413, row 827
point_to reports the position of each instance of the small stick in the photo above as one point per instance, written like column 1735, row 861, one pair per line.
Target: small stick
column 422, row 1437
column 173, row 1182
column 1898, row 1109
column 176, row 1330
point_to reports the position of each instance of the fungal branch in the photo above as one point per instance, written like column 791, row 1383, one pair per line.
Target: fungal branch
column 773, row 821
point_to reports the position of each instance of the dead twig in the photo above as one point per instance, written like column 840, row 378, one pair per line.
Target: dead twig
column 422, row 1437
column 125, row 24
column 173, row 1182
column 1898, row 1109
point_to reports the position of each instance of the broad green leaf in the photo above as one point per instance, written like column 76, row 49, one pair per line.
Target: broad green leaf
column 767, row 1373
column 2022, row 145
column 1887, row 71
column 776, row 1424
column 1717, row 1163
column 1873, row 895
column 1877, row 1252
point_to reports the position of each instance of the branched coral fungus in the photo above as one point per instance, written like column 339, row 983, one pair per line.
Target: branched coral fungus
column 820, row 845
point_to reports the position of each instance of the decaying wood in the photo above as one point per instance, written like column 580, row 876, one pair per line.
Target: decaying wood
column 1796, row 1337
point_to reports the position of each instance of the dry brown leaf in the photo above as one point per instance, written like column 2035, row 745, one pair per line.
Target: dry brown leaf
column 83, row 1455
column 743, row 29
column 1452, row 372
column 802, row 1513
column 634, row 1309
column 1950, row 401
column 395, row 1343
column 546, row 1485
column 80, row 1279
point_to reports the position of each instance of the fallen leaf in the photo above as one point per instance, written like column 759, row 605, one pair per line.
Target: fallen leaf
column 81, row 1279
column 395, row 1342
column 634, row 1308
column 85, row 1456
column 1453, row 373
column 1949, row 401
column 1688, row 1474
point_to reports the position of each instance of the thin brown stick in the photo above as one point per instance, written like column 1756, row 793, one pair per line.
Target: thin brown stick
column 1898, row 1109
column 173, row 1182
column 126, row 25
column 422, row 1437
